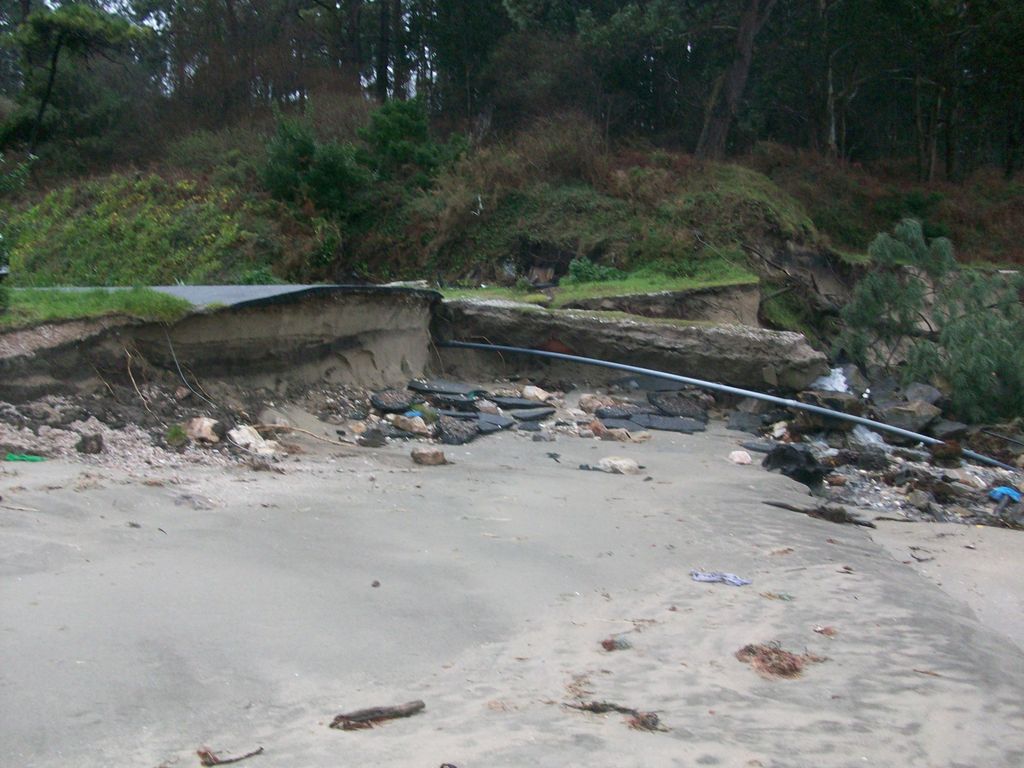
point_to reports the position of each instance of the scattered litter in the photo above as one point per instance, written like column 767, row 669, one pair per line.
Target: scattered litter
column 845, row 570
column 367, row 718
column 826, row 631
column 716, row 577
column 22, row 457
column 778, row 596
column 1005, row 492
column 740, row 457
column 554, row 456
column 770, row 660
column 833, row 381
column 207, row 757
column 616, row 643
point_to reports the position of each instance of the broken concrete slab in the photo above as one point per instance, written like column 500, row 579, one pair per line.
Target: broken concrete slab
column 668, row 423
column 532, row 414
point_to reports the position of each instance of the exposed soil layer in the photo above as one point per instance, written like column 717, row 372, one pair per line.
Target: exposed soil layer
column 355, row 338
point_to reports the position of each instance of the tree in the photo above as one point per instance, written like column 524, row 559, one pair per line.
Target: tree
column 76, row 30
column 728, row 90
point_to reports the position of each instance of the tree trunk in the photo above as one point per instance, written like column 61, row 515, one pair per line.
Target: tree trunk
column 383, row 76
column 400, row 68
column 45, row 100
column 26, row 9
column 724, row 102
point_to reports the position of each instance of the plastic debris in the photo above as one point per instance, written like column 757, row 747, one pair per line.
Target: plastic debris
column 833, row 381
column 23, row 457
column 1005, row 492
column 713, row 577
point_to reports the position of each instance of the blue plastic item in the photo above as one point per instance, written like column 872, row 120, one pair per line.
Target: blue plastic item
column 1004, row 492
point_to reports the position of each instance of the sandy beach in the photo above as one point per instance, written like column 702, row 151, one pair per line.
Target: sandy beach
column 146, row 616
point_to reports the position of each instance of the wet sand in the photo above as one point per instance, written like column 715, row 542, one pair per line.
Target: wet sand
column 241, row 612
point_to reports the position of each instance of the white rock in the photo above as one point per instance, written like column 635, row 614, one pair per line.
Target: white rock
column 412, row 424
column 590, row 403
column 740, row 457
column 779, row 429
column 486, row 406
column 248, row 438
column 537, row 394
column 201, row 429
column 617, row 465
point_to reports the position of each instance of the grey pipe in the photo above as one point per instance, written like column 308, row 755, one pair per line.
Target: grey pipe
column 785, row 402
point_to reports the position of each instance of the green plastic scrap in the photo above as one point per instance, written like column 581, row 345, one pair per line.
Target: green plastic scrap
column 23, row 457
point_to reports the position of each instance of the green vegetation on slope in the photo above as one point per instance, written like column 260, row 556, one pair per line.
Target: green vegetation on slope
column 131, row 230
column 39, row 305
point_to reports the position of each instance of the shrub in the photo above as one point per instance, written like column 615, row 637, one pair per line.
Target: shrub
column 568, row 147
column 399, row 144
column 960, row 328
column 587, row 271
column 5, row 298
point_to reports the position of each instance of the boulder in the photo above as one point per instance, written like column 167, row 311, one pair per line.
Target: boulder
column 740, row 457
column 913, row 416
column 797, row 462
column 428, row 457
column 844, row 402
column 617, row 465
column 248, row 438
column 90, row 444
column 590, row 403
column 925, row 392
column 945, row 429
column 203, row 429
column 392, row 400
column 684, row 404
column 457, row 431
column 414, row 425
column 742, row 421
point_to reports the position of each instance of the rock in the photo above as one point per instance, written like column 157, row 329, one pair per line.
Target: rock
column 873, row 459
column 798, row 462
column 884, row 388
column 457, row 431
column 372, row 438
column 248, row 438
column 668, row 423
column 428, row 457
column 619, row 423
column 590, row 403
column 780, row 429
column 618, row 465
column 203, row 429
column 513, row 402
column 529, row 426
column 90, row 444
column 536, row 394
column 966, row 477
column 759, row 446
column 488, row 407
column 945, row 429
column 913, row 416
column 836, row 481
column 843, row 402
column 742, row 421
column 532, row 414
column 918, row 499
column 496, row 421
column 924, row 392
column 414, row 425
column 441, row 387
column 740, row 457
column 392, row 400
column 182, row 393
column 622, row 411
column 587, row 433
column 457, row 402
column 543, row 437
column 678, row 403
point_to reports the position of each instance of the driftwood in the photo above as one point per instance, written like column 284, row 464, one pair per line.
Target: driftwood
column 208, row 758
column 367, row 718
column 834, row 513
column 641, row 721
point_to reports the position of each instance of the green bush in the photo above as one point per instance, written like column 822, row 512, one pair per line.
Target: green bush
column 398, row 141
column 958, row 328
column 587, row 271
column 5, row 298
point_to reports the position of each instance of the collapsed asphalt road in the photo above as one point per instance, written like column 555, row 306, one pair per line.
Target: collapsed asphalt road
column 147, row 616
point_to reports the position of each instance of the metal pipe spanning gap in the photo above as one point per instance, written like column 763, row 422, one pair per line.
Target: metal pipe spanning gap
column 786, row 402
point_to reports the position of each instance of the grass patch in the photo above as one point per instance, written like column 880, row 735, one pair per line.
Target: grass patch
column 29, row 306
column 716, row 274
